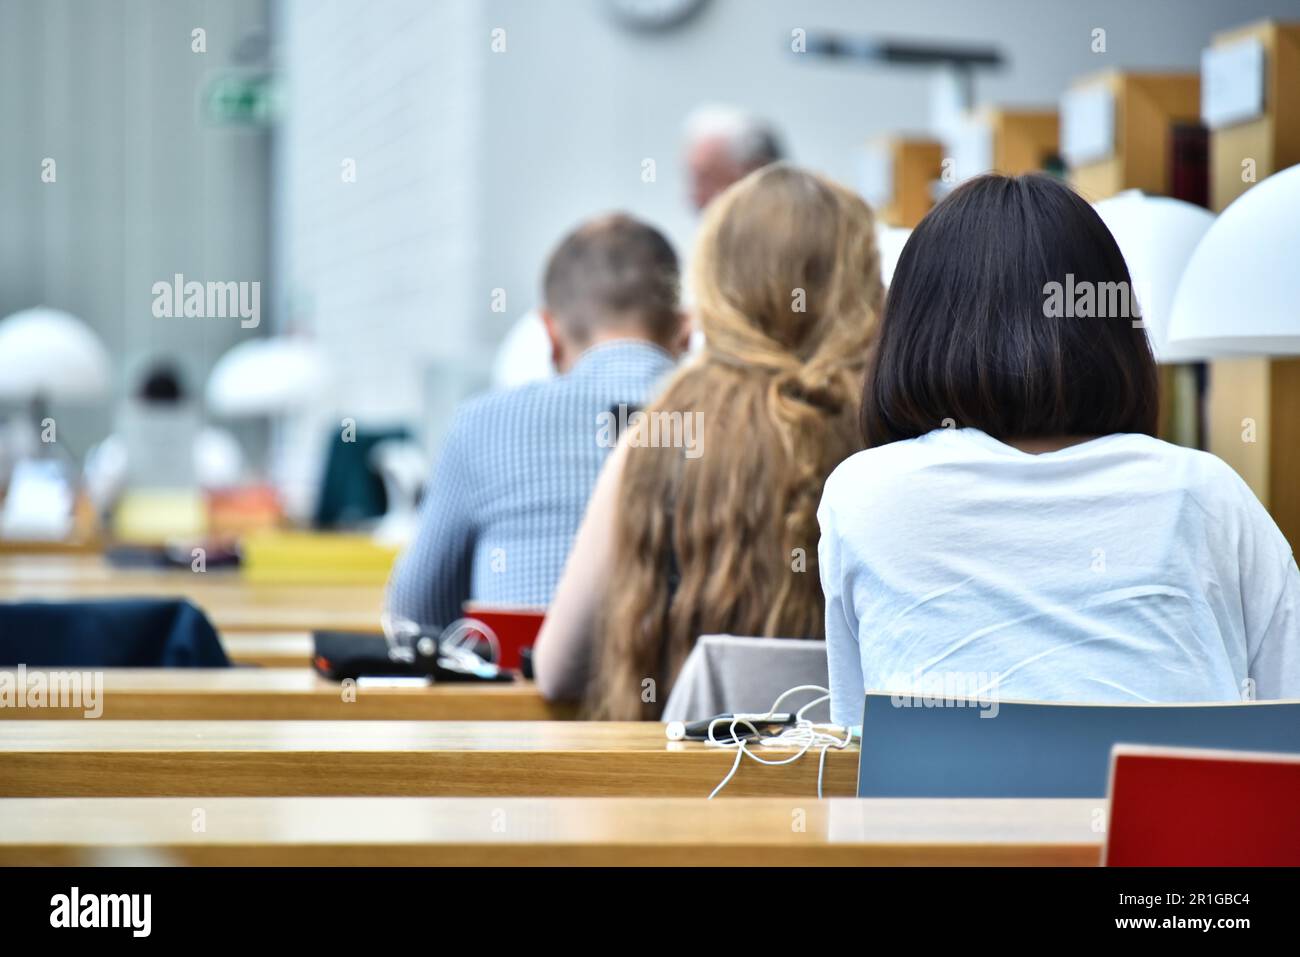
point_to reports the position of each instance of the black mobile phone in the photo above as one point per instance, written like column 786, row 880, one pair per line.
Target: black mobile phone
column 747, row 726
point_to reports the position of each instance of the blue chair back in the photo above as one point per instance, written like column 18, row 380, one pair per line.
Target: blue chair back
column 1043, row 750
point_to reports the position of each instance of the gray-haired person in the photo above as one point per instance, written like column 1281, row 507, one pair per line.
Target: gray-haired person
column 723, row 145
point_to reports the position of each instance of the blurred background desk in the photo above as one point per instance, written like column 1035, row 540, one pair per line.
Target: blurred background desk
column 231, row 602
column 296, row 694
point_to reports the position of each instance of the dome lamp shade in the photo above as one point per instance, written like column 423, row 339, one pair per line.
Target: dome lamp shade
column 1157, row 236
column 267, row 377
column 1240, row 293
column 47, row 355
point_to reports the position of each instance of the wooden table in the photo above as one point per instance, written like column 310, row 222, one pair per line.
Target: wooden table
column 388, row 759
column 269, row 649
column 547, row 831
column 292, row 694
column 231, row 603
column 32, row 546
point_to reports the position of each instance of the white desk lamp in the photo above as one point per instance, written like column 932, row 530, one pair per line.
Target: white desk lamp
column 278, row 379
column 46, row 355
column 1240, row 300
column 1157, row 236
column 267, row 377
column 1240, row 293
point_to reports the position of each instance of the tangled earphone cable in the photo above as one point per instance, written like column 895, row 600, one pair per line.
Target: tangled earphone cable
column 804, row 735
column 457, row 640
column 464, row 633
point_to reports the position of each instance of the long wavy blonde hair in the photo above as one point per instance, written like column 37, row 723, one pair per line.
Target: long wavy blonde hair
column 786, row 283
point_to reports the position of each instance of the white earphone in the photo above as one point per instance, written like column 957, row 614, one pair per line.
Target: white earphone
column 804, row 734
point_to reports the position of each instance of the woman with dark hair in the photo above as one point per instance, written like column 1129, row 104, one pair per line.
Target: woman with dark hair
column 1014, row 527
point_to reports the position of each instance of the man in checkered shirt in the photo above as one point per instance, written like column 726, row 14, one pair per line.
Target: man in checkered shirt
column 517, row 467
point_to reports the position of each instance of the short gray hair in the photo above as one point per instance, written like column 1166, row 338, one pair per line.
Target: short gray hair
column 752, row 141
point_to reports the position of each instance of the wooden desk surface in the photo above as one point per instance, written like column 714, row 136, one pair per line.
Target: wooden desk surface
column 30, row 546
column 388, row 759
column 311, row 831
column 230, row 602
column 293, row 694
column 547, row 831
column 269, row 649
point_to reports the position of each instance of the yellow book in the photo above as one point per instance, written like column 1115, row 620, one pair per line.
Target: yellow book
column 153, row 516
column 315, row 557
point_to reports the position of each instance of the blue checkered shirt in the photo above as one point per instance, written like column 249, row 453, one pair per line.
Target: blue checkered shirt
column 512, row 482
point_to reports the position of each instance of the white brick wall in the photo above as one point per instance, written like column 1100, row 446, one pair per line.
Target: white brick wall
column 382, row 270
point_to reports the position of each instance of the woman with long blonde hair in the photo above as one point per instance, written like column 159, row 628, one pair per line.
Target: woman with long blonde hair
column 704, row 519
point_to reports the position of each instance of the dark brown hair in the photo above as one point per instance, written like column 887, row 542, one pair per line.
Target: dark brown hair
column 973, row 330
column 614, row 271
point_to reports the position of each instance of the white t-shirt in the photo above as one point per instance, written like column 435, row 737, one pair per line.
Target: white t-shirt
column 1119, row 569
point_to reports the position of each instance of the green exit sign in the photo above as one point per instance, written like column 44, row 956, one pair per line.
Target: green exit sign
column 240, row 99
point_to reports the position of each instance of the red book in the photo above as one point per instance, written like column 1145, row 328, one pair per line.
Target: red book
column 515, row 628
column 1186, row 807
